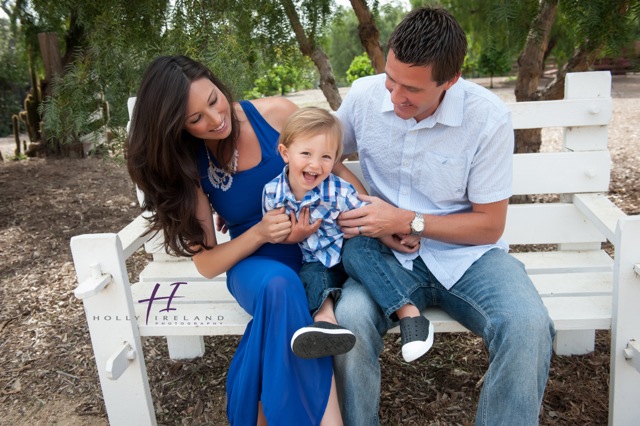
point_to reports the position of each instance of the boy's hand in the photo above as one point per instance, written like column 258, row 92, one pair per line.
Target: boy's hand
column 398, row 243
column 409, row 241
column 221, row 226
column 301, row 229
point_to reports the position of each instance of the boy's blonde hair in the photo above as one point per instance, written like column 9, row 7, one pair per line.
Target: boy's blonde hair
column 312, row 121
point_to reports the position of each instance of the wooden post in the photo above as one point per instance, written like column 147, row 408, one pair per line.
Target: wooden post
column 584, row 86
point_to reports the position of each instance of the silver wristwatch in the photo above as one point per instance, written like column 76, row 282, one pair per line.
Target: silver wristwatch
column 417, row 225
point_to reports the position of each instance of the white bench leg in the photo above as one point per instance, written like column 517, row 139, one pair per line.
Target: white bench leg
column 185, row 347
column 574, row 342
column 114, row 336
column 624, row 382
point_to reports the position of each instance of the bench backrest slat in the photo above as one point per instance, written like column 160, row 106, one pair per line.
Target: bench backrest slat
column 563, row 113
column 548, row 224
column 561, row 172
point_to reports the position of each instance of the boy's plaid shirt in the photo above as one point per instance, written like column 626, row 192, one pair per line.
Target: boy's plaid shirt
column 326, row 201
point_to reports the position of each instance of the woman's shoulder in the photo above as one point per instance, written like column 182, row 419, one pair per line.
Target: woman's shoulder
column 275, row 109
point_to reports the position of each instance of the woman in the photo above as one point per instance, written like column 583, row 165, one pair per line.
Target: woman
column 193, row 150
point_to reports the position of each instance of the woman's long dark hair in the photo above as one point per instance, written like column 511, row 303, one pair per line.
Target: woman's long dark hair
column 161, row 155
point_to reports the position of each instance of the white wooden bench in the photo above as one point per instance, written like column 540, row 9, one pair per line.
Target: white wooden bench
column 583, row 287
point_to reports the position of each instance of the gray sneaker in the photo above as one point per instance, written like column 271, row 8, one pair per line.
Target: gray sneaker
column 417, row 337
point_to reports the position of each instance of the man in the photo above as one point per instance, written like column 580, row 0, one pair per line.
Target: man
column 437, row 153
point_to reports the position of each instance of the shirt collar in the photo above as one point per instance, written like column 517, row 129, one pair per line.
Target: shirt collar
column 284, row 194
column 449, row 112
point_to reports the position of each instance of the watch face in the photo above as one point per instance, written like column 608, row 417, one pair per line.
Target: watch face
column 417, row 225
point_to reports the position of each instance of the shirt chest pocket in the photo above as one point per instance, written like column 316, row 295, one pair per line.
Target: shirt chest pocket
column 442, row 178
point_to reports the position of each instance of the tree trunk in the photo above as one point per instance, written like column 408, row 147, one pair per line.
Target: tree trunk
column 530, row 67
column 369, row 35
column 50, row 51
column 311, row 50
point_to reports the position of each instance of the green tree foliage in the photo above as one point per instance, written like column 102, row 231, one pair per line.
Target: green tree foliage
column 73, row 96
column 493, row 61
column 106, row 44
column 360, row 67
column 604, row 27
column 283, row 79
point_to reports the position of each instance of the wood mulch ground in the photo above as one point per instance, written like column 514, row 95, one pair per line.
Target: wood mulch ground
column 47, row 372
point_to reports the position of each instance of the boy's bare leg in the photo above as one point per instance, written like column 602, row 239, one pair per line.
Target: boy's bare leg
column 325, row 312
column 407, row 311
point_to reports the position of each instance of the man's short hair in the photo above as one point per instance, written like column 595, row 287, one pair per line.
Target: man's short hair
column 430, row 36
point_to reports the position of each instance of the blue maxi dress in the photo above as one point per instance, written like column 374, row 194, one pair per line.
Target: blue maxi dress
column 293, row 391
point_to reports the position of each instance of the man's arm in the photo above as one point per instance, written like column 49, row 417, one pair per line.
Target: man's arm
column 484, row 224
column 340, row 170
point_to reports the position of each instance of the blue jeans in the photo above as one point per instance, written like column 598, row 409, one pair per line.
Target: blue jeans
column 320, row 282
column 494, row 299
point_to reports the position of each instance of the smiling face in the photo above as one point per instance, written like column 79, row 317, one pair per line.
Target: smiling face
column 310, row 159
column 208, row 114
column 414, row 94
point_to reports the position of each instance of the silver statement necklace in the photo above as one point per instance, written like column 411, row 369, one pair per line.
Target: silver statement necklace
column 222, row 178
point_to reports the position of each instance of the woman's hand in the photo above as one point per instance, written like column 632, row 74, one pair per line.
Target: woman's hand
column 274, row 227
column 301, row 229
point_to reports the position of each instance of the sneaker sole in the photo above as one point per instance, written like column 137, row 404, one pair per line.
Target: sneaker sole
column 312, row 342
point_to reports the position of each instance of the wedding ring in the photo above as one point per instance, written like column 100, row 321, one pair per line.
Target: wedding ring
column 359, row 230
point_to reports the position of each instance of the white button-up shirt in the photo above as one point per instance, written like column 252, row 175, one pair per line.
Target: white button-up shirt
column 462, row 153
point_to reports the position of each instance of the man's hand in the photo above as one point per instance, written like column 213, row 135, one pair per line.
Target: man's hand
column 373, row 220
column 301, row 229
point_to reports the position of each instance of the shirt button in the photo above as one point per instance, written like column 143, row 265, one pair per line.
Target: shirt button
column 406, row 163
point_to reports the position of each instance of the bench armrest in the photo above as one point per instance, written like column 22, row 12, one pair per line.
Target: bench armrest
column 134, row 235
column 600, row 211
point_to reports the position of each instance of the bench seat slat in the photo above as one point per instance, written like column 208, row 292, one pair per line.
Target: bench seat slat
column 575, row 301
column 565, row 261
column 548, row 285
column 568, row 313
column 535, row 262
